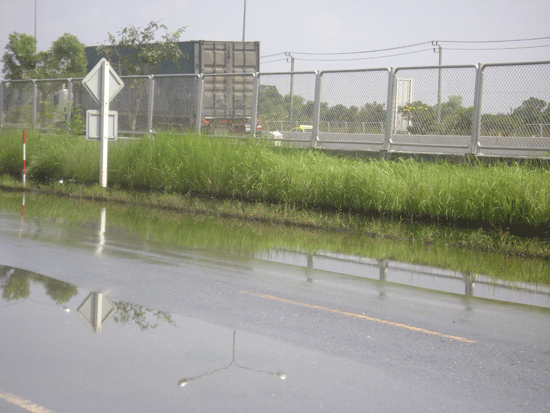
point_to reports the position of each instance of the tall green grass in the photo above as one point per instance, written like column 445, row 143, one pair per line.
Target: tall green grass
column 500, row 195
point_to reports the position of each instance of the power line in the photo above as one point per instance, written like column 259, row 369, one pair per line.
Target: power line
column 365, row 51
column 364, row 58
column 495, row 41
column 272, row 61
column 271, row 55
column 416, row 45
column 497, row 48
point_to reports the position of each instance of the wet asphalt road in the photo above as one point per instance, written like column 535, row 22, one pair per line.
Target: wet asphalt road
column 345, row 344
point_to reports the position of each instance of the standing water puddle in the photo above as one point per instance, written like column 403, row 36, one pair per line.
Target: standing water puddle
column 146, row 310
column 451, row 270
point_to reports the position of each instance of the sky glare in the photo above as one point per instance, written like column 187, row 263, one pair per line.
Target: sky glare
column 317, row 33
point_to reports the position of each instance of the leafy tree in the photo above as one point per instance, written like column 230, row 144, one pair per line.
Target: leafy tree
column 458, row 122
column 270, row 103
column 455, row 119
column 337, row 113
column 531, row 111
column 500, row 125
column 422, row 118
column 65, row 58
column 373, row 112
column 451, row 107
column 20, row 58
column 136, row 52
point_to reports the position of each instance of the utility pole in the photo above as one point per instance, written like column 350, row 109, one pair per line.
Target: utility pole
column 35, row 20
column 440, row 51
column 291, row 60
column 244, row 19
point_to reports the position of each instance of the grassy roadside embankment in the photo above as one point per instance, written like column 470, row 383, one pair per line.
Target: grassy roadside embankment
column 498, row 203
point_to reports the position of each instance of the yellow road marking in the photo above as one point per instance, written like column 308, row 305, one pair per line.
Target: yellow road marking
column 25, row 404
column 362, row 316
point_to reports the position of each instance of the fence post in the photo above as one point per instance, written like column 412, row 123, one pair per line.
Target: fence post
column 316, row 110
column 476, row 116
column 198, row 108
column 34, row 103
column 390, row 103
column 254, row 108
column 150, row 105
column 1, row 103
column 69, row 103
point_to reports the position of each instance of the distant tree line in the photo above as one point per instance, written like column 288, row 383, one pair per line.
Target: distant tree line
column 451, row 118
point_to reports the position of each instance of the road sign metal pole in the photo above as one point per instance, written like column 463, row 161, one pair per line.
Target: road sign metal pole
column 104, row 104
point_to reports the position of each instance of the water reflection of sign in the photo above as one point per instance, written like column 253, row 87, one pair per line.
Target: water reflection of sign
column 95, row 310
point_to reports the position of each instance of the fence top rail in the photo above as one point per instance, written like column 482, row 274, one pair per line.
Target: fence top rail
column 247, row 74
column 62, row 79
column 314, row 72
column 18, row 80
column 541, row 62
column 380, row 69
column 197, row 75
column 396, row 69
column 135, row 76
column 437, row 67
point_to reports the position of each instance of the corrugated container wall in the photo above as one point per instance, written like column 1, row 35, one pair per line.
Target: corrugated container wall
column 226, row 97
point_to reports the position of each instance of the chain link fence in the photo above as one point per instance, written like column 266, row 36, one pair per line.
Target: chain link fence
column 286, row 105
column 174, row 102
column 514, row 109
column 353, row 108
column 17, row 103
column 485, row 109
column 433, row 109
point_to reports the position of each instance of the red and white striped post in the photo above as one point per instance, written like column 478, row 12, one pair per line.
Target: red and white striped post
column 24, row 159
column 24, row 174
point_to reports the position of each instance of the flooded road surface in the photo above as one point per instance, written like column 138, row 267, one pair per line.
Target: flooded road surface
column 107, row 308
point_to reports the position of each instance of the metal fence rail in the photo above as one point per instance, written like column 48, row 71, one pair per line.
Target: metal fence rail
column 484, row 109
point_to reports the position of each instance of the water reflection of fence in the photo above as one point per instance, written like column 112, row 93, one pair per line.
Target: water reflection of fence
column 421, row 276
column 491, row 109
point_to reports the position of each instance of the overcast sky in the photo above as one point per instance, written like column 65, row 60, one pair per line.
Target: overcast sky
column 308, row 26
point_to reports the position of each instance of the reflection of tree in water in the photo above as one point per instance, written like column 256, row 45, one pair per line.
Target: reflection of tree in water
column 15, row 285
column 145, row 318
column 59, row 291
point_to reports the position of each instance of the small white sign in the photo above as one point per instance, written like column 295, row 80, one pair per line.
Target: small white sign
column 93, row 125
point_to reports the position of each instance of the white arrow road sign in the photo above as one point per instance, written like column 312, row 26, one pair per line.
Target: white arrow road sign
column 93, row 82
